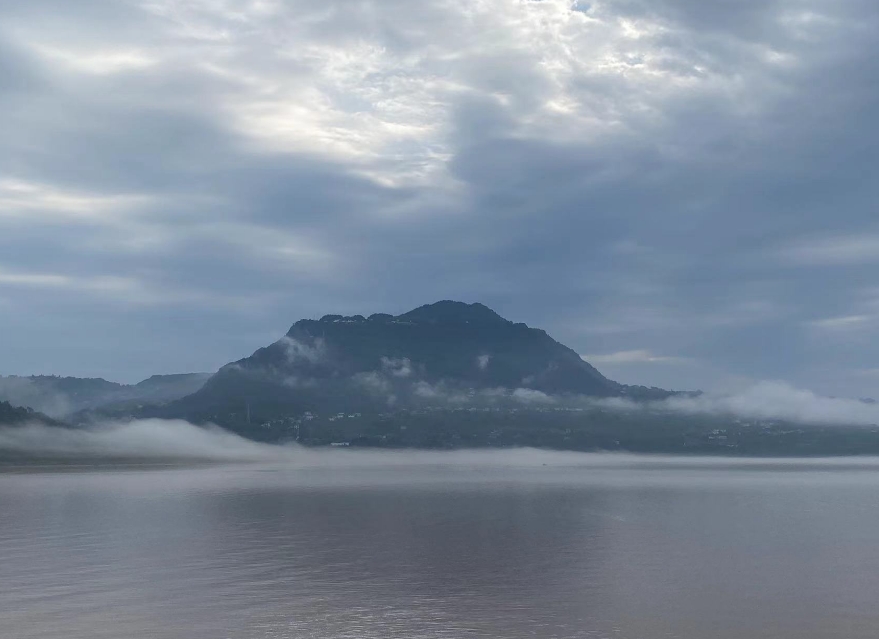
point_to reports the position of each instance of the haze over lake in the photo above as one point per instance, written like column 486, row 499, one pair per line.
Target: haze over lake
column 478, row 544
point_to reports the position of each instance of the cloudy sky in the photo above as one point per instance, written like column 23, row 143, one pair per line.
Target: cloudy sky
column 683, row 191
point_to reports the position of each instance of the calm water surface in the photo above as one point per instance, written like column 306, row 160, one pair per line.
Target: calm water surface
column 620, row 548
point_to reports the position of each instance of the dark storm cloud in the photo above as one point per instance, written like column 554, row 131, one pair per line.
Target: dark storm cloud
column 680, row 188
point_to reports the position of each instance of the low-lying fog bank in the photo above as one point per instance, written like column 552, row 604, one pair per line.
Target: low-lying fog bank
column 162, row 441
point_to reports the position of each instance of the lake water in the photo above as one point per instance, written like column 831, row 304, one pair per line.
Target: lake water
column 485, row 545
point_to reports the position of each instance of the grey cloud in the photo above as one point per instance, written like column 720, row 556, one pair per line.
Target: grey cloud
column 712, row 137
column 397, row 366
column 838, row 251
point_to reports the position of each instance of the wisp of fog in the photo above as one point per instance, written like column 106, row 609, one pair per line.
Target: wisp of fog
column 148, row 438
column 766, row 400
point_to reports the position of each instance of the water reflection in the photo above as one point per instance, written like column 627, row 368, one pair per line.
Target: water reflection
column 245, row 552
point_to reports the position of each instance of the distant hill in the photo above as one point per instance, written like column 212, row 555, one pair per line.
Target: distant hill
column 164, row 388
column 443, row 352
column 62, row 396
column 17, row 416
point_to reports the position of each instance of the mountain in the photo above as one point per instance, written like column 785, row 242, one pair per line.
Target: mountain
column 447, row 352
column 62, row 396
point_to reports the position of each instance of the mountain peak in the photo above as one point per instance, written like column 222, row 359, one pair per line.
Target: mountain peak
column 451, row 312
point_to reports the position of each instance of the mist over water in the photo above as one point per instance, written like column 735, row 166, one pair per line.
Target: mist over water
column 177, row 440
column 156, row 438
